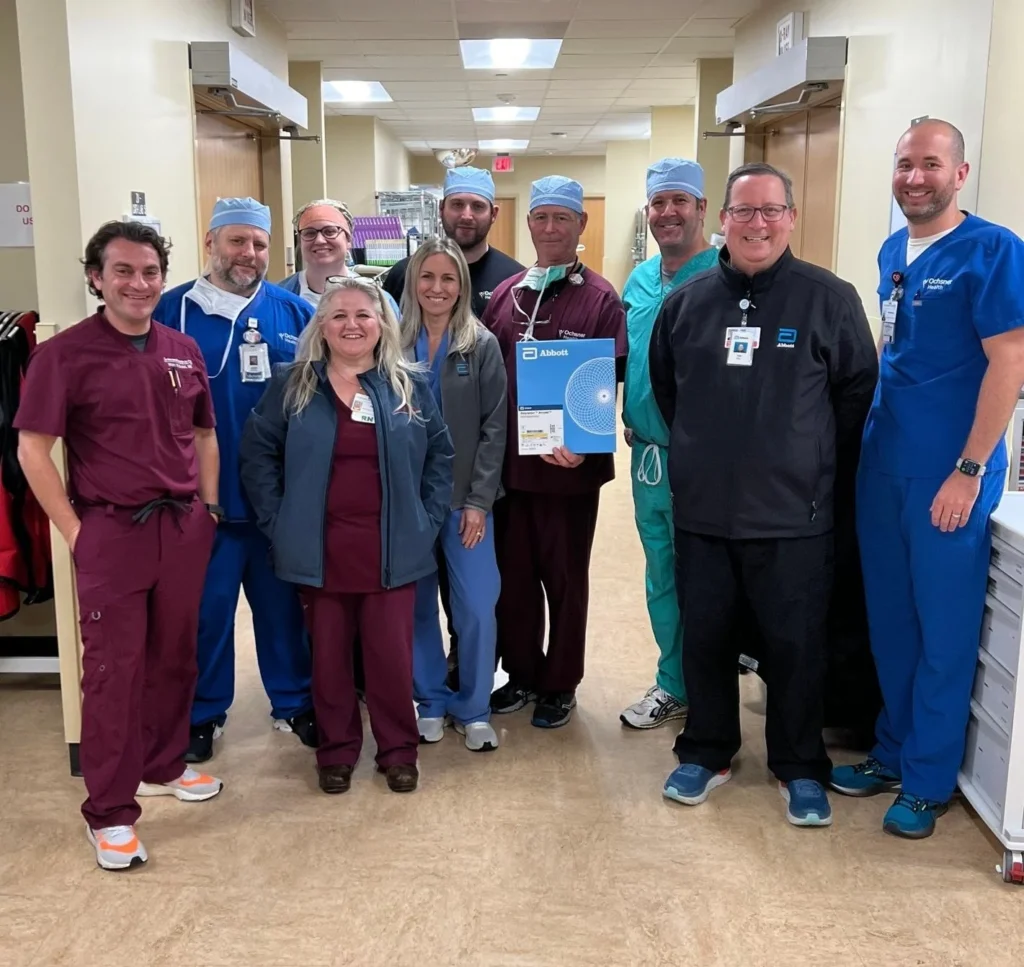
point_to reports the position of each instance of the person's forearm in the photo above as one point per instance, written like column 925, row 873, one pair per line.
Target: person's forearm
column 45, row 481
column 209, row 465
column 1000, row 390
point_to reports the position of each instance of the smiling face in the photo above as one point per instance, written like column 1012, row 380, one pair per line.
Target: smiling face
column 757, row 244
column 319, row 250
column 676, row 219
column 351, row 326
column 239, row 255
column 930, row 170
column 437, row 287
column 131, row 281
column 556, row 233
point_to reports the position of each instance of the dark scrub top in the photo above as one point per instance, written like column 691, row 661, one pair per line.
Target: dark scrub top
column 485, row 275
column 588, row 311
column 434, row 365
column 126, row 421
column 352, row 538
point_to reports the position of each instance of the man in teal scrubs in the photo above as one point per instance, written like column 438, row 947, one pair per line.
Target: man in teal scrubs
column 676, row 207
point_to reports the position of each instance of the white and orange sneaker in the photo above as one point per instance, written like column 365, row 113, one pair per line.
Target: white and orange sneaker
column 192, row 786
column 117, row 847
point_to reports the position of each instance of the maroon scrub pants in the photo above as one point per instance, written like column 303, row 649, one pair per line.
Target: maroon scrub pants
column 544, row 543
column 139, row 586
column 384, row 623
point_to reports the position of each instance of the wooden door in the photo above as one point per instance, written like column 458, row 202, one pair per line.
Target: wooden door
column 503, row 232
column 787, row 151
column 229, row 164
column 592, row 238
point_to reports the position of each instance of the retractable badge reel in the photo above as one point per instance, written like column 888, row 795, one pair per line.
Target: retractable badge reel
column 254, row 354
column 742, row 340
column 890, row 307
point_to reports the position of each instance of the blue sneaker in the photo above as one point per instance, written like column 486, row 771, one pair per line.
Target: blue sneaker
column 691, row 784
column 912, row 817
column 808, row 803
column 867, row 778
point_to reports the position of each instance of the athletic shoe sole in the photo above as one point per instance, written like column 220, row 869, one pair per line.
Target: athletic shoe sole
column 664, row 719
column 811, row 819
column 718, row 779
column 509, row 709
column 894, row 829
column 106, row 865
column 864, row 792
column 182, row 795
column 483, row 747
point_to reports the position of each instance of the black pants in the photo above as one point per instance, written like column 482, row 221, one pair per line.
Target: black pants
column 786, row 585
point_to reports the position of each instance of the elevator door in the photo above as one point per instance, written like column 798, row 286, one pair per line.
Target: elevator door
column 806, row 147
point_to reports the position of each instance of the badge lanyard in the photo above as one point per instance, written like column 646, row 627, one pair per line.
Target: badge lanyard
column 742, row 340
column 890, row 307
column 230, row 339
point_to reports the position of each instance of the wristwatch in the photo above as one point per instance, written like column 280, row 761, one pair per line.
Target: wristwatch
column 216, row 510
column 970, row 467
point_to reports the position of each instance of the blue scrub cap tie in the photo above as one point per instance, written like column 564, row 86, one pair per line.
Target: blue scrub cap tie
column 557, row 190
column 240, row 211
column 675, row 174
column 472, row 181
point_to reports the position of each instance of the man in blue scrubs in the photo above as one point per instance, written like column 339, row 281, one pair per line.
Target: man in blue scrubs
column 676, row 207
column 932, row 471
column 243, row 325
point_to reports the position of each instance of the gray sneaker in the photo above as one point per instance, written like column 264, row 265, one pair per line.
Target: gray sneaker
column 117, row 847
column 655, row 709
column 480, row 736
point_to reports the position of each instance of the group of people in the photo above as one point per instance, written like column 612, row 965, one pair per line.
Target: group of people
column 347, row 453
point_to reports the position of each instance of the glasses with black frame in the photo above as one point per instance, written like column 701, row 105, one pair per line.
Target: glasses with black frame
column 329, row 232
column 746, row 213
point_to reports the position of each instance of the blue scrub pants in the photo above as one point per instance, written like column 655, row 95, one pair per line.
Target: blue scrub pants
column 925, row 594
column 241, row 559
column 475, row 584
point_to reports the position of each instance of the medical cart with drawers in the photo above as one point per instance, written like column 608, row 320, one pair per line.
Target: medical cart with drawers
column 992, row 775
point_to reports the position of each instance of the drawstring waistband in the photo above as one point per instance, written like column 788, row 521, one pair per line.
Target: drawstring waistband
column 649, row 471
column 141, row 516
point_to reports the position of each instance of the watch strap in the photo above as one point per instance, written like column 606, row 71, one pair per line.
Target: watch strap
column 216, row 510
column 970, row 468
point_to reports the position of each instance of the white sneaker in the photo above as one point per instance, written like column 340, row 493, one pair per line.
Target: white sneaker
column 656, row 708
column 117, row 847
column 192, row 786
column 431, row 730
column 480, row 736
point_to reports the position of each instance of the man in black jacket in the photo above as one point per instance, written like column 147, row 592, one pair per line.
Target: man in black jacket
column 764, row 368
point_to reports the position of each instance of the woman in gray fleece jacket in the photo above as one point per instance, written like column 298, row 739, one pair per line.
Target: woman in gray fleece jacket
column 466, row 373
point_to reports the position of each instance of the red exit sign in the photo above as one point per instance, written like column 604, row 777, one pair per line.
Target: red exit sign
column 502, row 162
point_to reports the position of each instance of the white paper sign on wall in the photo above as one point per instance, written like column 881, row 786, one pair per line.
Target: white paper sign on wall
column 15, row 216
column 789, row 31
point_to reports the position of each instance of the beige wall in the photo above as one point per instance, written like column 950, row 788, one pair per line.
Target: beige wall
column 17, row 265
column 673, row 132
column 713, row 76
column 905, row 60
column 626, row 171
column 391, row 160
column 351, row 162
column 309, row 159
column 588, row 170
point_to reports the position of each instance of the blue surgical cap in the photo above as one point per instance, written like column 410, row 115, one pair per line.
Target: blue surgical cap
column 675, row 174
column 557, row 190
column 472, row 181
column 240, row 211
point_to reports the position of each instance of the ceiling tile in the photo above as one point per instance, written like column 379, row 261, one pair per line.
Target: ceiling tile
column 609, row 45
column 513, row 11
column 716, row 27
column 599, row 29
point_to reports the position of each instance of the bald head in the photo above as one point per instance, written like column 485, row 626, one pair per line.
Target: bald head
column 930, row 171
column 938, row 131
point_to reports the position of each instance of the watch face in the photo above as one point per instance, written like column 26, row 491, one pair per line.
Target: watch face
column 969, row 467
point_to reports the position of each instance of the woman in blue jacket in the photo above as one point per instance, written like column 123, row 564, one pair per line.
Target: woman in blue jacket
column 466, row 372
column 347, row 462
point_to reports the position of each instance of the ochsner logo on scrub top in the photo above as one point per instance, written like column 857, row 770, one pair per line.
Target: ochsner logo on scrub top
column 937, row 285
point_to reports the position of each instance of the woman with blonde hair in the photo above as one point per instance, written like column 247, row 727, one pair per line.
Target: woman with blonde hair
column 347, row 463
column 466, row 375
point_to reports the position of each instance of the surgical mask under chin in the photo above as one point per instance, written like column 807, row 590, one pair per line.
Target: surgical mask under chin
column 218, row 302
column 538, row 278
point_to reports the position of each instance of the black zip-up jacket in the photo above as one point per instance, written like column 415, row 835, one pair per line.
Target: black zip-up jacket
column 759, row 451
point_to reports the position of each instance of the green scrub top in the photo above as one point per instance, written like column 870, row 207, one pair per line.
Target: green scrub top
column 643, row 296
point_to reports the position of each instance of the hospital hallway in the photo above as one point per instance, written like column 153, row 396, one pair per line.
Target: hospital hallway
column 557, row 849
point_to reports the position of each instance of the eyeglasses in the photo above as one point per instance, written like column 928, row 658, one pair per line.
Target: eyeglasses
column 328, row 231
column 770, row 213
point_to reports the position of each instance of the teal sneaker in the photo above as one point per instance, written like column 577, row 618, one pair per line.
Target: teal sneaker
column 867, row 778
column 912, row 817
column 691, row 784
column 808, row 803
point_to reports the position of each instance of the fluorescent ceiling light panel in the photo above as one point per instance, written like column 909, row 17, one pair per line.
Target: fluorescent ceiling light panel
column 506, row 112
column 504, row 144
column 509, row 53
column 354, row 92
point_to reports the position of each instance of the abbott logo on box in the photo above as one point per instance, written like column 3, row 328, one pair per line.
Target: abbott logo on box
column 529, row 354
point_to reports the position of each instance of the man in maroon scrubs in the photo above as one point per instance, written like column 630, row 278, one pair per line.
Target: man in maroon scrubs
column 131, row 402
column 545, row 524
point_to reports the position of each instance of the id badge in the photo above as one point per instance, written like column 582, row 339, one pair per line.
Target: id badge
column 741, row 347
column 255, row 362
column 889, row 320
column 732, row 330
column 362, row 409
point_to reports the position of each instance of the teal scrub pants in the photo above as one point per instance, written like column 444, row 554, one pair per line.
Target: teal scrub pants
column 652, row 502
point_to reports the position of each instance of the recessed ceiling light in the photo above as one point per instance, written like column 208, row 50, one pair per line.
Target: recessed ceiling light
column 503, row 144
column 506, row 112
column 354, row 92
column 509, row 53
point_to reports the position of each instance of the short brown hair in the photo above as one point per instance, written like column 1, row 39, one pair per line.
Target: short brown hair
column 96, row 248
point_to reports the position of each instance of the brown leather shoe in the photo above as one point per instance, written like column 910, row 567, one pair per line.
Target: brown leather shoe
column 335, row 779
column 402, row 778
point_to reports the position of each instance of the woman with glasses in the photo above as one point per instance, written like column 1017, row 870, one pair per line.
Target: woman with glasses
column 466, row 373
column 324, row 229
column 347, row 463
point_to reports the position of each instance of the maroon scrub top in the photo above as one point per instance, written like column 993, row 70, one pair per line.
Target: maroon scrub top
column 352, row 539
column 589, row 311
column 126, row 416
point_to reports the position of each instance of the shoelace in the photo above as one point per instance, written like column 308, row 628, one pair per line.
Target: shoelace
column 118, row 835
column 805, row 788
column 869, row 765
column 915, row 803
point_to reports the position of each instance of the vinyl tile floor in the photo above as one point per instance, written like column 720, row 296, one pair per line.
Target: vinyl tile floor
column 557, row 849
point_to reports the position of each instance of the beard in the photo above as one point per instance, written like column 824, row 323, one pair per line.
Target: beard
column 464, row 236
column 938, row 202
column 236, row 277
